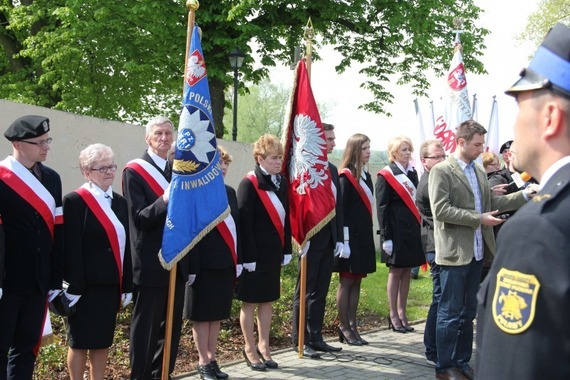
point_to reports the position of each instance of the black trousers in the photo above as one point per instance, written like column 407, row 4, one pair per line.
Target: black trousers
column 319, row 271
column 148, row 329
column 21, row 325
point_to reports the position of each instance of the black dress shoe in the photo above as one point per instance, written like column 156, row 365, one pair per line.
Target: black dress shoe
column 217, row 371
column 323, row 346
column 308, row 352
column 450, row 374
column 206, row 372
column 468, row 372
column 268, row 363
column 254, row 366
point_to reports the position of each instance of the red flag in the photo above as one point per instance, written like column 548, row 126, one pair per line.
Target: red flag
column 311, row 200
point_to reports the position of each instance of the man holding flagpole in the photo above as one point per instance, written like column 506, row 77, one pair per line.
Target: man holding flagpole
column 144, row 183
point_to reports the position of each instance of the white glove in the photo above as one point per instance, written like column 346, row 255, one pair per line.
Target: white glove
column 286, row 259
column 53, row 293
column 305, row 249
column 388, row 247
column 1, row 293
column 531, row 190
column 345, row 254
column 338, row 249
column 250, row 267
column 166, row 195
column 239, row 269
column 71, row 297
column 126, row 299
column 191, row 279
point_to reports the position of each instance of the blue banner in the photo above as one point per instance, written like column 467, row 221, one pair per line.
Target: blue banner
column 198, row 200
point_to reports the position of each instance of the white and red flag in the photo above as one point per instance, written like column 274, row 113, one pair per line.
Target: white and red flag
column 311, row 200
column 457, row 107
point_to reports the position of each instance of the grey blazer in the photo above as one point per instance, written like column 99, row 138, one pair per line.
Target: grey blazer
column 455, row 218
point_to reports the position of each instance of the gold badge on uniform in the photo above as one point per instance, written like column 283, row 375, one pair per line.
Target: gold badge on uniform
column 514, row 301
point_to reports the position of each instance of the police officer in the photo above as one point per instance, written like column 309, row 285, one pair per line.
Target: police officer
column 525, row 300
column 31, row 257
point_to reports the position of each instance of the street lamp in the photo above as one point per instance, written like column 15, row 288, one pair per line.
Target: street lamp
column 236, row 61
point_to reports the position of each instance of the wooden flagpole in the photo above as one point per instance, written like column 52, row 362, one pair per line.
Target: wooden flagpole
column 192, row 6
column 309, row 33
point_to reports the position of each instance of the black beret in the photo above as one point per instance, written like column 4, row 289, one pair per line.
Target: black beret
column 506, row 146
column 27, row 127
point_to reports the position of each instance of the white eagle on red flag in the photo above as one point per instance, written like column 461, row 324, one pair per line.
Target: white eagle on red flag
column 311, row 200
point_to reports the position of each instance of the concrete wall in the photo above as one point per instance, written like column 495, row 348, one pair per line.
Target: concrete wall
column 71, row 133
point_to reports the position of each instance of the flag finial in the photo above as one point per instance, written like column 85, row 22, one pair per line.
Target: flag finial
column 192, row 5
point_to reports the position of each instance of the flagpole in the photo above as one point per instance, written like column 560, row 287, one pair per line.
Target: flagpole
column 309, row 33
column 192, row 6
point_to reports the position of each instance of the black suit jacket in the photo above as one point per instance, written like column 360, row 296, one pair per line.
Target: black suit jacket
column 533, row 246
column 89, row 259
column 212, row 252
column 147, row 215
column 32, row 260
column 332, row 232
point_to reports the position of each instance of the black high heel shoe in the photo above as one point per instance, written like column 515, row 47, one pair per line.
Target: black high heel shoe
column 358, row 337
column 342, row 338
column 406, row 325
column 206, row 372
column 398, row 329
column 217, row 371
column 254, row 366
column 271, row 364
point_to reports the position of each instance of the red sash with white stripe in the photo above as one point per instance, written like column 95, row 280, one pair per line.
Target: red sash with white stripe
column 358, row 188
column 227, row 229
column 402, row 191
column 29, row 188
column 150, row 174
column 108, row 226
column 278, row 223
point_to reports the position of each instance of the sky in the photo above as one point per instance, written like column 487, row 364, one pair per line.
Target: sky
column 503, row 60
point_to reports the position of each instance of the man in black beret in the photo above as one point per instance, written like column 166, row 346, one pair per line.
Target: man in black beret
column 505, row 149
column 524, row 303
column 31, row 257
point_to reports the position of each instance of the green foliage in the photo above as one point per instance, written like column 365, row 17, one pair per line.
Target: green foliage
column 549, row 13
column 123, row 60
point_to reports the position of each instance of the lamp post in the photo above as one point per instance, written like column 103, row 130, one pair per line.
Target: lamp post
column 236, row 61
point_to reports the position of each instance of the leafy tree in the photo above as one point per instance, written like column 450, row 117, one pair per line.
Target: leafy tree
column 123, row 59
column 549, row 12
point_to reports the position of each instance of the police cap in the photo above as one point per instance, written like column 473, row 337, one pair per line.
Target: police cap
column 550, row 66
column 27, row 127
column 506, row 146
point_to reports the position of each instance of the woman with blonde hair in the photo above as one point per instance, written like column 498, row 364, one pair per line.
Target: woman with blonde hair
column 266, row 245
column 399, row 223
column 358, row 257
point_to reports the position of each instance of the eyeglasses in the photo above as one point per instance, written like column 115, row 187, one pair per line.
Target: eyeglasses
column 442, row 157
column 42, row 143
column 105, row 169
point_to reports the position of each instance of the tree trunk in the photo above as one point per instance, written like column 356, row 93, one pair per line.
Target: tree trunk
column 218, row 104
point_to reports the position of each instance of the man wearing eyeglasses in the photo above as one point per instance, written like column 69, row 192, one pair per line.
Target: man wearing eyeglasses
column 145, row 185
column 31, row 258
column 431, row 153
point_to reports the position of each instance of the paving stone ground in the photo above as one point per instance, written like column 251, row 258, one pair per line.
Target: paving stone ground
column 389, row 355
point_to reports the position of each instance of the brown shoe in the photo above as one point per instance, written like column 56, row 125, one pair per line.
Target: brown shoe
column 450, row 374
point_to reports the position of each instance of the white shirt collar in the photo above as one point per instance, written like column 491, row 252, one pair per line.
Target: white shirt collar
column 159, row 161
column 552, row 170
column 405, row 171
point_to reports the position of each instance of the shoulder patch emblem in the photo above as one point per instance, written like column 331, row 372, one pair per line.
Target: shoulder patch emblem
column 514, row 301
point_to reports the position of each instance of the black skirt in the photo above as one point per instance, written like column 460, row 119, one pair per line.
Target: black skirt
column 263, row 285
column 93, row 324
column 212, row 293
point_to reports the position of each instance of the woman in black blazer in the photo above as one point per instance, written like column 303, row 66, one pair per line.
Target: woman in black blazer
column 266, row 245
column 400, row 228
column 97, row 262
column 359, row 256
column 213, row 272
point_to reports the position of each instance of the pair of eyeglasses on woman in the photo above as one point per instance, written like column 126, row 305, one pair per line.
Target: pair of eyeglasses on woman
column 42, row 143
column 105, row 169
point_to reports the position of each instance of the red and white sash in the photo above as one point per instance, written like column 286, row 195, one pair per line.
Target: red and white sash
column 95, row 199
column 27, row 186
column 151, row 175
column 404, row 187
column 361, row 188
column 273, row 206
column 227, row 229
